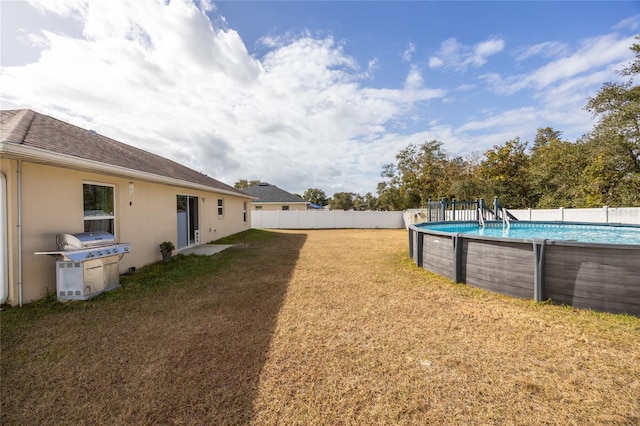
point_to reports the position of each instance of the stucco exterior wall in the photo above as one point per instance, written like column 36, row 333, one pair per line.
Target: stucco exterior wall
column 272, row 207
column 52, row 203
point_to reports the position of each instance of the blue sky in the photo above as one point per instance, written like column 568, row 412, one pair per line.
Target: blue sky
column 312, row 94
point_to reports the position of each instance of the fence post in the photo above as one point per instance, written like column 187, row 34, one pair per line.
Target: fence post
column 453, row 211
column 562, row 214
column 457, row 258
column 444, row 209
column 606, row 214
column 419, row 249
column 496, row 208
column 429, row 210
column 538, row 271
column 411, row 244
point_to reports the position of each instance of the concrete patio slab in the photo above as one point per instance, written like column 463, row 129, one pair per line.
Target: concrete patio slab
column 205, row 249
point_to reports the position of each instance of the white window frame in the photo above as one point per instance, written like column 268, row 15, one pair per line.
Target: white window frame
column 111, row 217
column 220, row 207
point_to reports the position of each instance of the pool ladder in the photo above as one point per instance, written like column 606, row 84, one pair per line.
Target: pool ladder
column 505, row 219
column 480, row 218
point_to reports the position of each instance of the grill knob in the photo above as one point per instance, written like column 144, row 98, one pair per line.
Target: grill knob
column 99, row 252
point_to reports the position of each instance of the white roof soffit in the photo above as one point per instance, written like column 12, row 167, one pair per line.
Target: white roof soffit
column 36, row 155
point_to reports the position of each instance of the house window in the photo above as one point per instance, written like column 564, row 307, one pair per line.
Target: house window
column 258, row 208
column 99, row 202
column 285, row 207
column 220, row 207
column 244, row 212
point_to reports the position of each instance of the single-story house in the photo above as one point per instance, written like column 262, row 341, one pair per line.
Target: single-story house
column 57, row 178
column 271, row 198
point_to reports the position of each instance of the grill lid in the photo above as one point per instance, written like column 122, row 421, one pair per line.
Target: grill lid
column 84, row 240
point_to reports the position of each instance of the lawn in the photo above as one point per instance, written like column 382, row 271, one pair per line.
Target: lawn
column 314, row 327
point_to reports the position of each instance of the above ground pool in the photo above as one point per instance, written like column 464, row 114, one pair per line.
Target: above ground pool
column 587, row 233
column 585, row 265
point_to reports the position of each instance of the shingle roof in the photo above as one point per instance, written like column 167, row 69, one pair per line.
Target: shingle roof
column 31, row 129
column 268, row 193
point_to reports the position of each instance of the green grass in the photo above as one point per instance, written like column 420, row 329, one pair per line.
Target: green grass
column 313, row 327
column 155, row 278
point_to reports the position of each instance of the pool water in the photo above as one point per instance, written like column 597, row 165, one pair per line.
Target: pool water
column 546, row 231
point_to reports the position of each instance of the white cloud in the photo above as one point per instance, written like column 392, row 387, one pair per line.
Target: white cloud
column 555, row 94
column 72, row 8
column 632, row 23
column 511, row 118
column 455, row 55
column 161, row 77
column 414, row 79
column 409, row 51
column 485, row 49
column 435, row 62
column 593, row 54
column 466, row 87
column 546, row 49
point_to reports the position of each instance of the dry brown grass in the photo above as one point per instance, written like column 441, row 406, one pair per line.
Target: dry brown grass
column 321, row 327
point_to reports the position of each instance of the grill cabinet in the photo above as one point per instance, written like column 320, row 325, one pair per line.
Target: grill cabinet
column 87, row 264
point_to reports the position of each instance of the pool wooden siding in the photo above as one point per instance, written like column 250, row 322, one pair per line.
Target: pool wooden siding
column 413, row 246
column 437, row 255
column 603, row 277
column 503, row 267
column 600, row 278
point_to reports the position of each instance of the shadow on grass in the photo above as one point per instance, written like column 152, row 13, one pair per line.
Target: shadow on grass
column 180, row 343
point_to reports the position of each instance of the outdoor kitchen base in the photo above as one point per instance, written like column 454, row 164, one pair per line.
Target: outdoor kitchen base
column 84, row 280
column 87, row 264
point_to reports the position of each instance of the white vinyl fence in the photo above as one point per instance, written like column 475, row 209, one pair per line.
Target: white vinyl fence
column 314, row 219
column 627, row 215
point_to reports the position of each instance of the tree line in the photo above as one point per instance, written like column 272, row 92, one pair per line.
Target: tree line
column 600, row 168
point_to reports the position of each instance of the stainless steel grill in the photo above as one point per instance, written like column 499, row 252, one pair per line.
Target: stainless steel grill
column 89, row 245
column 87, row 264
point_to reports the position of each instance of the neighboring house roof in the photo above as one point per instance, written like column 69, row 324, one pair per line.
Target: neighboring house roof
column 28, row 135
column 267, row 193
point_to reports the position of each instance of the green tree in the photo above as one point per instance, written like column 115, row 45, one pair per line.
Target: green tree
column 423, row 170
column 244, row 183
column 392, row 195
column 556, row 167
column 370, row 201
column 505, row 172
column 366, row 202
column 315, row 196
column 342, row 201
column 613, row 177
column 420, row 174
column 462, row 181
